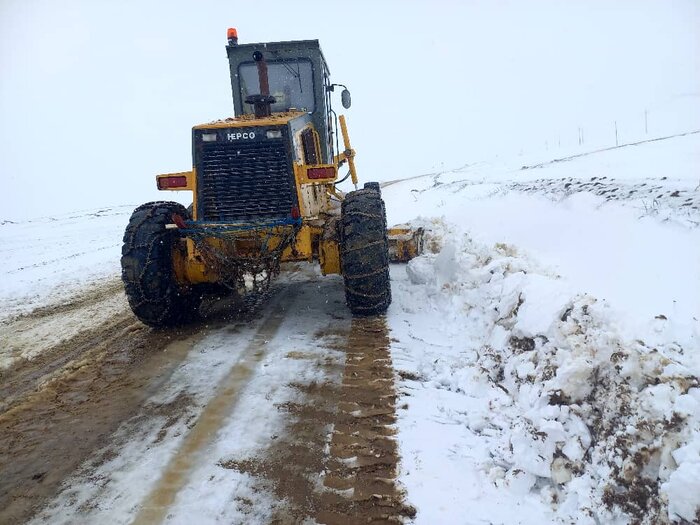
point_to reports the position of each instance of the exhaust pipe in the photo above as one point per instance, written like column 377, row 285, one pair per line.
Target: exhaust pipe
column 261, row 103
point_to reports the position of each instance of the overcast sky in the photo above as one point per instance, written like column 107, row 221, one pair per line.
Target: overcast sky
column 96, row 97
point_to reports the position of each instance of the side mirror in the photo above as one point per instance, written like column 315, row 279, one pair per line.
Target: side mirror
column 345, row 98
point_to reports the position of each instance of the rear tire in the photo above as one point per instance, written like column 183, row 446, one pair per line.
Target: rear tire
column 154, row 294
column 364, row 253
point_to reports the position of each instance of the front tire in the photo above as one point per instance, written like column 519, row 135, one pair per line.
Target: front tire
column 154, row 294
column 364, row 252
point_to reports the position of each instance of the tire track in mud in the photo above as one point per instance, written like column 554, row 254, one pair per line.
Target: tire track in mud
column 337, row 463
column 361, row 473
column 64, row 404
column 162, row 496
column 27, row 375
column 89, row 297
column 50, row 336
column 31, row 375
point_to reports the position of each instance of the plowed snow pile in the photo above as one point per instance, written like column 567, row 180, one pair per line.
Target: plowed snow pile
column 526, row 398
column 539, row 399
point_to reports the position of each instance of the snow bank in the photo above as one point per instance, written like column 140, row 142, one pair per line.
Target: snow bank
column 541, row 402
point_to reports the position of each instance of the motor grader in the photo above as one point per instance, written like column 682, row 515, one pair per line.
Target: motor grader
column 265, row 191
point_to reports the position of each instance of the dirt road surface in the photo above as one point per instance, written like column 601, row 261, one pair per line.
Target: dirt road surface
column 282, row 415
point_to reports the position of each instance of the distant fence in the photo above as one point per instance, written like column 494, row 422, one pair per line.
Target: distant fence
column 675, row 116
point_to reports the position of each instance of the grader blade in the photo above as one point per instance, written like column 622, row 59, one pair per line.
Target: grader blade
column 404, row 243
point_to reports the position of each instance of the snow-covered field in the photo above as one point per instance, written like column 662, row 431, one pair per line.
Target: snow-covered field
column 53, row 258
column 546, row 345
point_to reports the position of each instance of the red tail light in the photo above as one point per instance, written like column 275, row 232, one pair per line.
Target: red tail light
column 165, row 183
column 321, row 173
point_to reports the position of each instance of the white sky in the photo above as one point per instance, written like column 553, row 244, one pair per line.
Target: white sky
column 98, row 97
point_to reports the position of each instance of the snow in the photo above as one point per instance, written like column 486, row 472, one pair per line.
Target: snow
column 27, row 339
column 547, row 347
column 549, row 342
column 642, row 263
column 530, row 396
column 51, row 259
column 243, row 370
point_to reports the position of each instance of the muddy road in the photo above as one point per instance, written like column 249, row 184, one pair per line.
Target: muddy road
column 279, row 415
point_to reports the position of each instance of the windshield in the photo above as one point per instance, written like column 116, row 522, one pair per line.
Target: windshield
column 291, row 83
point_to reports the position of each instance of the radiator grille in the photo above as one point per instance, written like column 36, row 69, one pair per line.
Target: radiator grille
column 245, row 181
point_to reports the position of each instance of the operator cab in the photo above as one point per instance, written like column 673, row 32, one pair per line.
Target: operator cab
column 299, row 80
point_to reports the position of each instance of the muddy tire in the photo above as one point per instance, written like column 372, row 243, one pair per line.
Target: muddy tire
column 154, row 295
column 364, row 253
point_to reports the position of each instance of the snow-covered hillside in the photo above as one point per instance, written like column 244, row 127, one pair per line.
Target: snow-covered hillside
column 546, row 348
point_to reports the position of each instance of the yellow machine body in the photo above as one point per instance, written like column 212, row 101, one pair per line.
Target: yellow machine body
column 311, row 229
column 319, row 209
column 264, row 191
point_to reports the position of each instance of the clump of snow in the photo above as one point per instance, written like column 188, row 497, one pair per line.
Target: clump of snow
column 683, row 485
column 549, row 403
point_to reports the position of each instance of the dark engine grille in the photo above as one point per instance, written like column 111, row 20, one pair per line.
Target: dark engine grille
column 245, row 181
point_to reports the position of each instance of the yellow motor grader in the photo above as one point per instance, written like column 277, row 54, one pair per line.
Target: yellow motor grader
column 264, row 186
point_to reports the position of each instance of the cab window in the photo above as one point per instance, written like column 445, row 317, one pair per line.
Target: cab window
column 291, row 83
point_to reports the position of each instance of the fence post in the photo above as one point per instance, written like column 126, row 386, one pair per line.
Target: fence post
column 646, row 124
